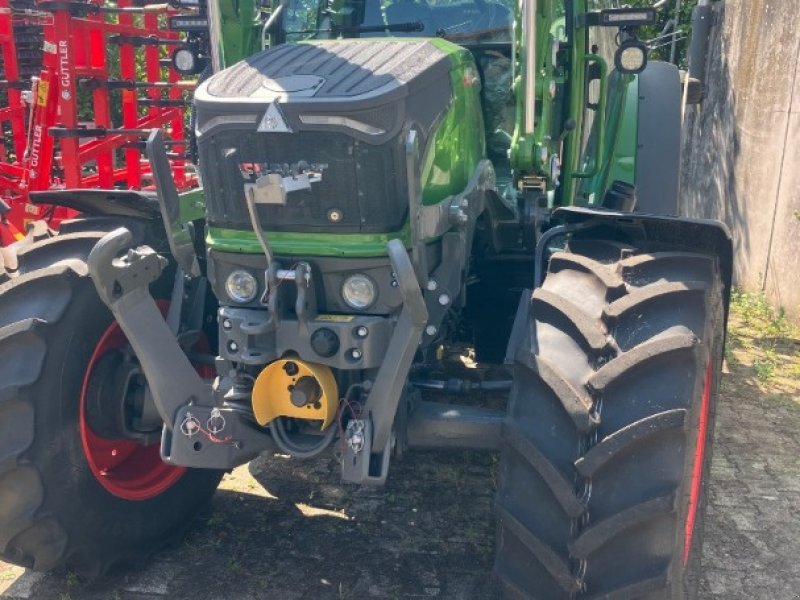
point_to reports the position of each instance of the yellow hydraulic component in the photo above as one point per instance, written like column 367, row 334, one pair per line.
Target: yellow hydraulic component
column 295, row 388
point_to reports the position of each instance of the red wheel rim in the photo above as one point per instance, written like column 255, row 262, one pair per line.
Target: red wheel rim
column 123, row 467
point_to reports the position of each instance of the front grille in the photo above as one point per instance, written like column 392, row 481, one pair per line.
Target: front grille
column 364, row 183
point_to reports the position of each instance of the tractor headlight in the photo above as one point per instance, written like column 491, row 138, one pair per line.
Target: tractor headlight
column 241, row 286
column 359, row 291
column 187, row 61
column 631, row 57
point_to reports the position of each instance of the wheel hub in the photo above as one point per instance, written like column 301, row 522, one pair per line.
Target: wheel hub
column 116, row 400
column 123, row 460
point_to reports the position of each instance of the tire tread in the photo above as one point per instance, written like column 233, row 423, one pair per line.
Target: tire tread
column 638, row 283
column 35, row 530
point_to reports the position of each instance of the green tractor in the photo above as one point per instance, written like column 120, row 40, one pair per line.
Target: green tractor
column 385, row 184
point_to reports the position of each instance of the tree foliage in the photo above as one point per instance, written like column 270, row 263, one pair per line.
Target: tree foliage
column 675, row 11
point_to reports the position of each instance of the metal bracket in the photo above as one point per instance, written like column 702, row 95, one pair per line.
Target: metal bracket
column 385, row 394
column 415, row 207
column 361, row 465
column 179, row 235
column 519, row 330
column 212, row 438
column 122, row 284
column 187, row 305
column 305, row 306
column 364, row 465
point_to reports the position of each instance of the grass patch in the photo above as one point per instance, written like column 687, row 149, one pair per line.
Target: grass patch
column 763, row 346
column 759, row 317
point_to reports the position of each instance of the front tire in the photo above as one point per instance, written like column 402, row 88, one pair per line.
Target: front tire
column 70, row 498
column 607, row 441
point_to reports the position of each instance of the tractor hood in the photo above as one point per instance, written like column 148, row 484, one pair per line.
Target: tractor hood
column 338, row 112
column 364, row 87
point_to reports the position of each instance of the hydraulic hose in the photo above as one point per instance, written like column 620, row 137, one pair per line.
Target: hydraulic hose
column 282, row 439
column 457, row 386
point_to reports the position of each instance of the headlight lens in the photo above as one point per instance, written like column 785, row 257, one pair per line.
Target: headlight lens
column 241, row 286
column 631, row 57
column 358, row 291
column 184, row 60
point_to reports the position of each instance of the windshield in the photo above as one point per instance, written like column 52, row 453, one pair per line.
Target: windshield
column 463, row 21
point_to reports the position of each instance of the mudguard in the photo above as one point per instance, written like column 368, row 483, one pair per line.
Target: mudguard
column 658, row 136
column 698, row 235
column 109, row 203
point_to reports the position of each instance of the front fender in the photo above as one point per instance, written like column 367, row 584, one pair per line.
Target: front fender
column 696, row 235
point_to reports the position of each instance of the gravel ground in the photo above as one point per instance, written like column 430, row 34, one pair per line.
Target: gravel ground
column 282, row 530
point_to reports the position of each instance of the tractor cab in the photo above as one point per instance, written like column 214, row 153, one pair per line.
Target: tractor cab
column 374, row 18
column 484, row 28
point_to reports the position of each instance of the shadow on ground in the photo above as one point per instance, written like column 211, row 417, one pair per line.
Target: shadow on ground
column 282, row 530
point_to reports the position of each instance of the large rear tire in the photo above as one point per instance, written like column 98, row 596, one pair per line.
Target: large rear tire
column 70, row 497
column 607, row 442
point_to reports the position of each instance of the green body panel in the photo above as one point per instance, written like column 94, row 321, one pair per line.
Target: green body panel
column 192, row 205
column 239, row 30
column 594, row 155
column 621, row 135
column 560, row 95
column 458, row 144
column 618, row 145
column 305, row 244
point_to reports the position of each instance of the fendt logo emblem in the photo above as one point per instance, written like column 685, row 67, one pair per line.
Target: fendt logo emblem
column 273, row 121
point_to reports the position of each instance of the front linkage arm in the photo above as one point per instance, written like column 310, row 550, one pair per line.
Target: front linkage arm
column 197, row 431
column 122, row 283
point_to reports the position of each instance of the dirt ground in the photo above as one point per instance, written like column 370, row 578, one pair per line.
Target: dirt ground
column 283, row 530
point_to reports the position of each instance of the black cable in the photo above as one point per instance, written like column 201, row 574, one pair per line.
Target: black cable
column 282, row 439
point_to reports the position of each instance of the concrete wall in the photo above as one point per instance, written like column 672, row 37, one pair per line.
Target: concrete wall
column 742, row 146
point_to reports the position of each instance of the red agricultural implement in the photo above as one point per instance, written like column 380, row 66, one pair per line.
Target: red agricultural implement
column 80, row 81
